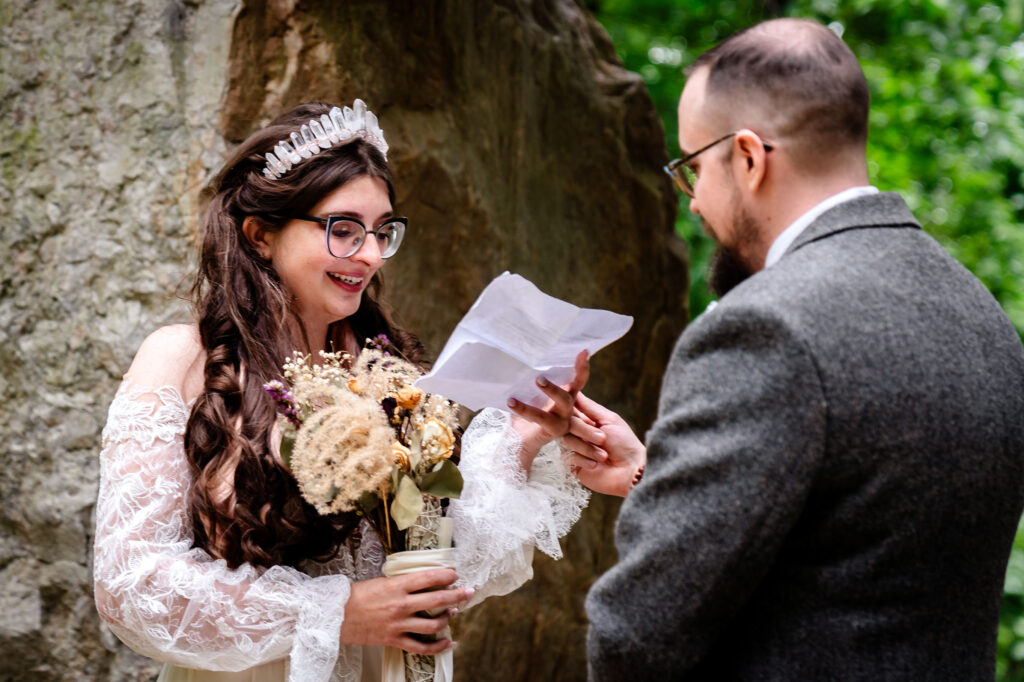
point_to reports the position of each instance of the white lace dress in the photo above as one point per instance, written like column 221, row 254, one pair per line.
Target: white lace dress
column 177, row 605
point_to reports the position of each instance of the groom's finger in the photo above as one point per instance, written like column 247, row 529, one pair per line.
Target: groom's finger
column 576, row 412
column 582, row 448
column 585, row 431
column 593, row 409
column 585, row 463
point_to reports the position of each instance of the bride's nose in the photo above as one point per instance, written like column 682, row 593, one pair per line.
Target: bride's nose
column 368, row 252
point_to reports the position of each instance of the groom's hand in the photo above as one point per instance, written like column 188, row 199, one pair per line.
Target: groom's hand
column 611, row 464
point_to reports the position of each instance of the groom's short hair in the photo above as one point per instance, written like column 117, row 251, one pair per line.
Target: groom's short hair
column 798, row 77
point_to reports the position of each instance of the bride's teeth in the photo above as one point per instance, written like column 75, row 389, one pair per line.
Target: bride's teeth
column 346, row 279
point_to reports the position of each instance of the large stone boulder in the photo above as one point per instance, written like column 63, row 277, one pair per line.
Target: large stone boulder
column 519, row 143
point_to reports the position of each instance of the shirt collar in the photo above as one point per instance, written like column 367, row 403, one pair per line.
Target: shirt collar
column 789, row 235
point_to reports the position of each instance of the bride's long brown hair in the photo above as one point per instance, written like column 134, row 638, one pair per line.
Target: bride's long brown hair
column 245, row 506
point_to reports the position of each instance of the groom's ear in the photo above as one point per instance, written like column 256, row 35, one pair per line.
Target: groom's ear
column 257, row 236
column 750, row 157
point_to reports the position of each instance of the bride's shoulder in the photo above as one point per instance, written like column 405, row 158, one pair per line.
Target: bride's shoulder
column 170, row 356
column 173, row 336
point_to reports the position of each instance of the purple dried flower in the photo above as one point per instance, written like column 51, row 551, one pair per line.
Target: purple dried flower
column 379, row 342
column 285, row 402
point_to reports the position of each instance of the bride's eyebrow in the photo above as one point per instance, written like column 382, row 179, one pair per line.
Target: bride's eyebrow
column 355, row 214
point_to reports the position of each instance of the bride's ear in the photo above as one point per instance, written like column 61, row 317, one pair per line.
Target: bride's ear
column 257, row 236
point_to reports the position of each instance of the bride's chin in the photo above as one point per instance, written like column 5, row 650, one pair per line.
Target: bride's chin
column 342, row 315
column 338, row 320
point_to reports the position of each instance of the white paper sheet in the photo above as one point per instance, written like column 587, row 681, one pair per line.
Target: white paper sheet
column 513, row 334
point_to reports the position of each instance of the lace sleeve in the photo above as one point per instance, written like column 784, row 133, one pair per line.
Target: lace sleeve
column 176, row 604
column 502, row 514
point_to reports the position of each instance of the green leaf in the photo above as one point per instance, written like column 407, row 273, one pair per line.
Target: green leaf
column 367, row 502
column 444, row 481
column 408, row 502
column 287, row 446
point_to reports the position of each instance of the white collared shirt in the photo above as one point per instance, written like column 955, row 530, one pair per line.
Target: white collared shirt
column 789, row 235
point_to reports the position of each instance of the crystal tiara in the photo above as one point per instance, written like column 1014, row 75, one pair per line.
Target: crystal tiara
column 333, row 128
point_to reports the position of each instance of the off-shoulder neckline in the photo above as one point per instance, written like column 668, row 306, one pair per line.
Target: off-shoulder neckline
column 130, row 390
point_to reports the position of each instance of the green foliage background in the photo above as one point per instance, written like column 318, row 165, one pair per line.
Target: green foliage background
column 947, row 131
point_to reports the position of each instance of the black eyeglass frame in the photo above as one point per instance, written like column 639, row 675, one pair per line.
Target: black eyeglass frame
column 332, row 220
column 676, row 168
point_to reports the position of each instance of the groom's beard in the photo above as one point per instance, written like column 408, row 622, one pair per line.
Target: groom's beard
column 728, row 268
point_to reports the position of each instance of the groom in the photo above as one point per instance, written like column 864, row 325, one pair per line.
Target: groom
column 837, row 468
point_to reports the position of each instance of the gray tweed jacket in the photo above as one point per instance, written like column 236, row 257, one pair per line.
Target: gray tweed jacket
column 835, row 475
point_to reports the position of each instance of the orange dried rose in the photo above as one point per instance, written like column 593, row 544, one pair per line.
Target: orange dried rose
column 409, row 397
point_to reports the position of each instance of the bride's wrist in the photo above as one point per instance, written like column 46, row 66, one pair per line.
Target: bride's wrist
column 530, row 442
column 529, row 448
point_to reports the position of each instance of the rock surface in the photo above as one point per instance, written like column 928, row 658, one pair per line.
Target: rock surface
column 518, row 141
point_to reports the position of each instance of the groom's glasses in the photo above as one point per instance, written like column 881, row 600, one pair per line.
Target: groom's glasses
column 346, row 235
column 683, row 174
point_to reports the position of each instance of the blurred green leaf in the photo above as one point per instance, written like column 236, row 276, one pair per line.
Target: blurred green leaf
column 287, row 445
column 367, row 502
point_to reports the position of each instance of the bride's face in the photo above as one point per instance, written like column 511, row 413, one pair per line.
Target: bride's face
column 327, row 289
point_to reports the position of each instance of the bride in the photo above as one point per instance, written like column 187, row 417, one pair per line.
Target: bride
column 206, row 556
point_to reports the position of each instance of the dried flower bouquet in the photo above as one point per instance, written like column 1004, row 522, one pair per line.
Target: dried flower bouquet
column 358, row 436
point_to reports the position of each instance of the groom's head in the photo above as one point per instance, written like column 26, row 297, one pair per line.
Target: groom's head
column 775, row 120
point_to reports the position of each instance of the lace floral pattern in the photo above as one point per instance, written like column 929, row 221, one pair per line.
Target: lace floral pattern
column 178, row 605
column 502, row 515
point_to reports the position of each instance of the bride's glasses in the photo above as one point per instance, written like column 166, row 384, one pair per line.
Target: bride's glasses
column 346, row 235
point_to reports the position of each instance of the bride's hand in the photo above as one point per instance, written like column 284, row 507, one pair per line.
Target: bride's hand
column 611, row 464
column 539, row 426
column 383, row 611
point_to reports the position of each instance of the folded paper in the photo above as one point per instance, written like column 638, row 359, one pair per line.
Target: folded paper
column 513, row 334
